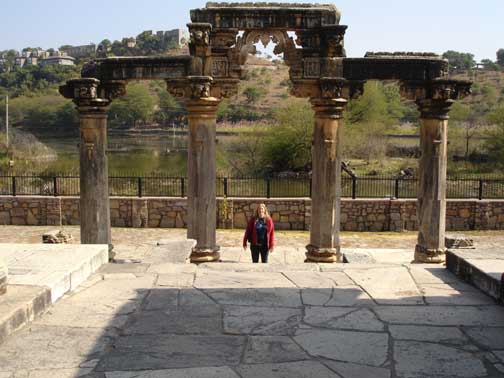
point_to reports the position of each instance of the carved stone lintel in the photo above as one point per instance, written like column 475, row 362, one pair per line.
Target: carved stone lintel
column 424, row 255
column 434, row 98
column 192, row 88
column 323, row 255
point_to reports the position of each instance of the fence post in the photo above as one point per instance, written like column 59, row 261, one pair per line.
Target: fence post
column 354, row 187
column 182, row 187
column 268, row 187
column 225, row 186
column 14, row 186
column 480, row 189
column 396, row 194
column 55, row 186
column 140, row 187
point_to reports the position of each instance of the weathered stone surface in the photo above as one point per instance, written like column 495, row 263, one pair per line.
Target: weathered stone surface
column 443, row 315
column 144, row 352
column 303, row 369
column 443, row 294
column 261, row 320
column 41, row 347
column 232, row 280
column 446, row 335
column 341, row 345
column 56, row 237
column 319, row 279
column 342, row 318
column 206, row 372
column 272, row 349
column 488, row 338
column 275, row 297
column 175, row 280
column 429, row 274
column 458, row 241
column 349, row 370
column 444, row 361
column 387, row 286
column 161, row 299
column 195, row 320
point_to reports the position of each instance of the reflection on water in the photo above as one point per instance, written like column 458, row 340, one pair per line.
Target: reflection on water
column 126, row 155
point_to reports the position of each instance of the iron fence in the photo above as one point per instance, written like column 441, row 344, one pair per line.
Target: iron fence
column 489, row 187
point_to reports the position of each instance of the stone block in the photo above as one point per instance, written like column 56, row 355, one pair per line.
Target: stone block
column 5, row 217
column 167, row 222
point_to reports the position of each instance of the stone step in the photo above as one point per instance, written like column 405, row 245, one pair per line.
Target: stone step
column 483, row 268
column 20, row 305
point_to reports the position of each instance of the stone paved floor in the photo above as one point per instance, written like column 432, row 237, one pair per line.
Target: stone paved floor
column 157, row 318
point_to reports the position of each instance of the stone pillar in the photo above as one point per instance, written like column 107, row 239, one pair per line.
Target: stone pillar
column 431, row 196
column 326, row 181
column 3, row 276
column 92, row 100
column 201, row 170
column 434, row 99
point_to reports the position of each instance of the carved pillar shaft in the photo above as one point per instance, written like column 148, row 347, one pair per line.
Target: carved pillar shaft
column 201, row 172
column 326, row 182
column 431, row 199
column 92, row 99
column 94, row 190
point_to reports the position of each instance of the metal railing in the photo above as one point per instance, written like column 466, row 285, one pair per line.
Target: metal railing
column 488, row 187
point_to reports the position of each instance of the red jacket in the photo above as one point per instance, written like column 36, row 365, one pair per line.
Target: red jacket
column 251, row 230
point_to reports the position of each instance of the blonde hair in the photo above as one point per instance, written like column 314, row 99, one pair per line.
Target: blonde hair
column 266, row 212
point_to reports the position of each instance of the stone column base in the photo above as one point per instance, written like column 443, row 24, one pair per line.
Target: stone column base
column 323, row 255
column 202, row 255
column 429, row 256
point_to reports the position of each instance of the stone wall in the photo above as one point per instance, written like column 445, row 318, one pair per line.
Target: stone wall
column 288, row 214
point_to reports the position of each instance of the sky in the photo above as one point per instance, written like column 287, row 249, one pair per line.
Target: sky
column 435, row 26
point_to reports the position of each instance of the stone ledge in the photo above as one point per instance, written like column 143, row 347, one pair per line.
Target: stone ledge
column 21, row 305
column 484, row 273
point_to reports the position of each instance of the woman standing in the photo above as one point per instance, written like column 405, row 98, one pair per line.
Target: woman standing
column 260, row 233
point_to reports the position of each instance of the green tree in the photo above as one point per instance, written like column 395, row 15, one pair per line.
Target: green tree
column 287, row 145
column 460, row 60
column 253, row 94
column 136, row 107
column 495, row 142
column 500, row 57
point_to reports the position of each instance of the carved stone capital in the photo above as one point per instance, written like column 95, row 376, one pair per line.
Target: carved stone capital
column 113, row 89
column 199, row 38
column 85, row 94
column 192, row 88
column 435, row 97
column 332, row 41
column 328, row 108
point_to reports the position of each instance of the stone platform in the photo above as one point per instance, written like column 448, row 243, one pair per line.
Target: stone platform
column 40, row 274
column 482, row 267
column 156, row 319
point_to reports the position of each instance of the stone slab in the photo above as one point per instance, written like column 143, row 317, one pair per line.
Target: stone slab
column 303, row 369
column 3, row 276
column 60, row 267
column 20, row 305
column 445, row 335
column 206, row 372
column 272, row 349
column 342, row 318
column 340, row 345
column 349, row 370
column 157, row 352
column 46, row 348
column 387, row 285
column 444, row 361
column 481, row 267
column 248, row 320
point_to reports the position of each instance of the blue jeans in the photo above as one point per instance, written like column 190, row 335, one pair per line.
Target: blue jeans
column 259, row 249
